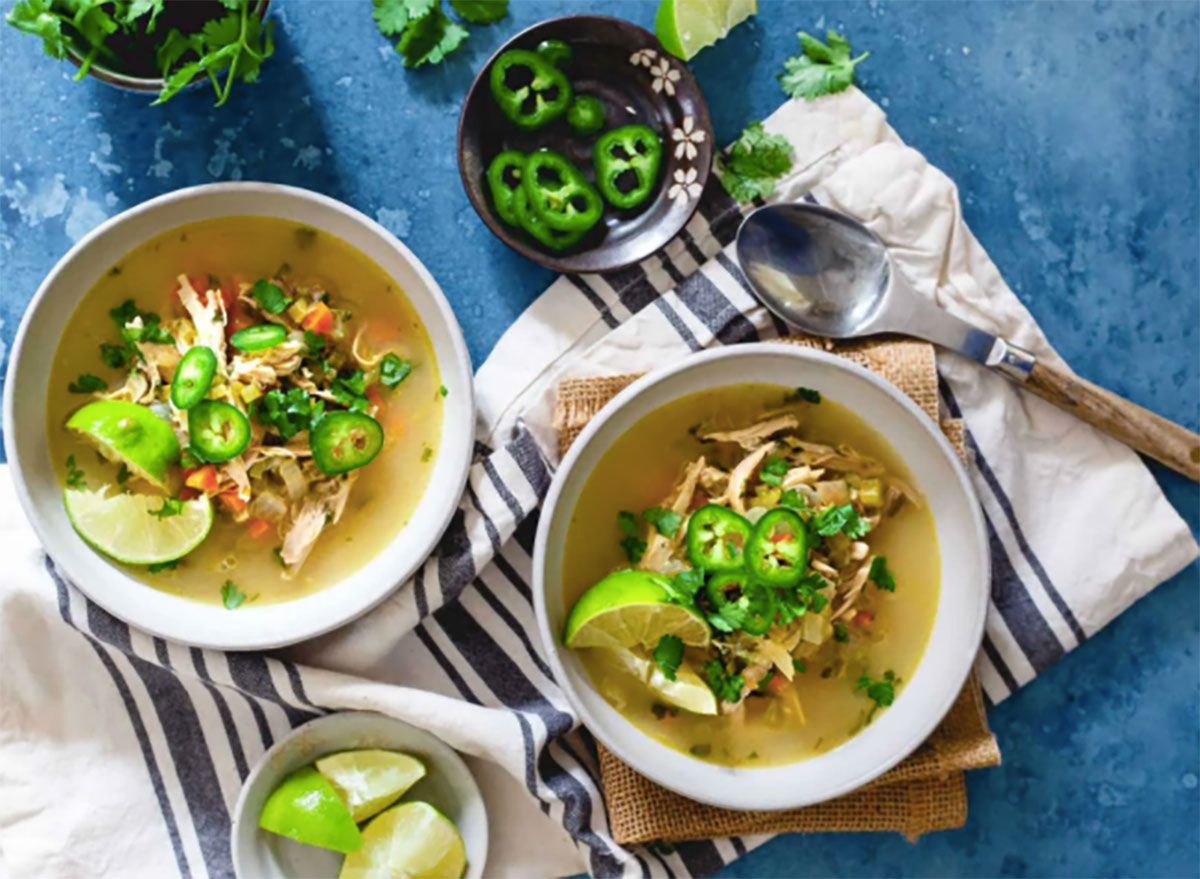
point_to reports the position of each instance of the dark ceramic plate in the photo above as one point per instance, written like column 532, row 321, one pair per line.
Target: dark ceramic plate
column 638, row 82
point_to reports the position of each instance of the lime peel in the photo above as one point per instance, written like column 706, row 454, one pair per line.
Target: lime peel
column 413, row 840
column 684, row 27
column 122, row 525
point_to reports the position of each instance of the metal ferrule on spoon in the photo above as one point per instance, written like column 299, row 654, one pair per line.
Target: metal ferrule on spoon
column 829, row 275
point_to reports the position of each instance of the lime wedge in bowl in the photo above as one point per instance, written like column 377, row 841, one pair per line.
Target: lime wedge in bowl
column 414, row 840
column 630, row 609
column 128, row 433
column 305, row 808
column 369, row 781
column 688, row 691
column 133, row 529
column 684, row 27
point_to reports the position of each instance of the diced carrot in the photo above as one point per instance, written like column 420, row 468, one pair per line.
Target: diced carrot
column 200, row 285
column 258, row 527
column 202, row 478
column 229, row 294
column 864, row 618
column 372, row 394
column 188, row 493
column 319, row 319
column 232, row 501
column 777, row 683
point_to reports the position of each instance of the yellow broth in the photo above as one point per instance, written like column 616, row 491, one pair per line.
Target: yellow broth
column 243, row 249
column 638, row 472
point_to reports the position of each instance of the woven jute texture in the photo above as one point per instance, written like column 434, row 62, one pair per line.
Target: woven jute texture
column 924, row 792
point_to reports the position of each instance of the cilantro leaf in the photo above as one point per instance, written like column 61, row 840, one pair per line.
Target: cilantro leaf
column 289, row 412
column 792, row 498
column 881, row 692
column 819, row 69
column 231, row 596
column 393, row 370
column 237, row 43
column 666, row 521
column 430, row 38
column 350, row 390
column 159, row 567
column 481, row 12
column 730, row 616
column 87, row 384
column 314, row 342
column 627, row 522
column 752, row 165
column 74, row 474
column 270, row 296
column 113, row 355
column 123, row 474
column 880, row 575
column 845, row 518
column 634, row 547
column 840, row 633
column 727, row 687
column 774, row 470
column 668, row 653
column 170, row 507
column 806, row 395
column 392, row 16
column 685, row 585
column 36, row 17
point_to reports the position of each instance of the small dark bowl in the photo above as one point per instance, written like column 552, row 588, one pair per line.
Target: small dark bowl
column 602, row 65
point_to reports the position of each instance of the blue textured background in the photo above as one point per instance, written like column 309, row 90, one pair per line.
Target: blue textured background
column 1074, row 133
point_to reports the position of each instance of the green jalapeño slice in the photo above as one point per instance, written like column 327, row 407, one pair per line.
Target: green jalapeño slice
column 344, row 441
column 193, row 377
column 217, row 431
column 777, row 554
column 258, row 337
column 717, row 538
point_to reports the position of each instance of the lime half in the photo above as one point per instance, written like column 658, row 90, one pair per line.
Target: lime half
column 630, row 609
column 129, row 433
column 305, row 808
column 684, row 27
column 132, row 528
column 688, row 691
column 369, row 781
column 413, row 840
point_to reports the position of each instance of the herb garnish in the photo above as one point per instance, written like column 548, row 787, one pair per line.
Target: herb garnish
column 123, row 474
column 882, row 692
column 845, row 518
column 820, row 69
column 442, row 390
column 840, row 633
column 237, row 42
column 792, row 498
column 727, row 687
column 774, row 470
column 634, row 547
column 231, row 596
column 87, row 384
column 684, row 586
column 113, row 355
column 350, row 390
column 314, row 343
column 426, row 34
column 880, row 575
column 752, row 165
column 393, row 370
column 806, row 395
column 666, row 521
column 288, row 412
column 74, row 474
column 668, row 654
column 159, row 567
column 270, row 297
column 170, row 507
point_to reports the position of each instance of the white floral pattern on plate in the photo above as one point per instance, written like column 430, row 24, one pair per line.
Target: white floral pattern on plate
column 643, row 58
column 685, row 186
column 665, row 77
column 686, row 136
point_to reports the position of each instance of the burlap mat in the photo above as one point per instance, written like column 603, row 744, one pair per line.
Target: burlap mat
column 924, row 792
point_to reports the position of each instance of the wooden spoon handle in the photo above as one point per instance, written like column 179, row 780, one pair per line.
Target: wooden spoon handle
column 1152, row 435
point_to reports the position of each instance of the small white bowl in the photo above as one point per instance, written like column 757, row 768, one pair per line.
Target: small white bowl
column 962, row 605
column 172, row 617
column 448, row 786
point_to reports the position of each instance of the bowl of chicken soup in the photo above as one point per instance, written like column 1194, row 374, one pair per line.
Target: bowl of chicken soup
column 239, row 415
column 761, row 576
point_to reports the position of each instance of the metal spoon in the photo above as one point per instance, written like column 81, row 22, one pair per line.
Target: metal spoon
column 829, row 275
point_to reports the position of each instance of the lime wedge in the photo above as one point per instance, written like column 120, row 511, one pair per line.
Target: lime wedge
column 305, row 808
column 688, row 691
column 684, row 27
column 630, row 609
column 370, row 781
column 129, row 433
column 132, row 528
column 413, row 840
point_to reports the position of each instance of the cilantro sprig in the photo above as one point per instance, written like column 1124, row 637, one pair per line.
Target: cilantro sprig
column 87, row 384
column 666, row 521
column 425, row 34
column 842, row 518
column 633, row 545
column 170, row 507
column 881, row 576
column 726, row 685
column 668, row 654
column 774, row 470
column 236, row 44
column 882, row 692
column 820, row 68
column 752, row 165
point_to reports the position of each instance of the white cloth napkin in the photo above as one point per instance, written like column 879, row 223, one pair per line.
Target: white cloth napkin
column 121, row 754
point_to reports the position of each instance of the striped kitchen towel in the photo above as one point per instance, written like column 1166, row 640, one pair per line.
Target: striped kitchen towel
column 121, row 754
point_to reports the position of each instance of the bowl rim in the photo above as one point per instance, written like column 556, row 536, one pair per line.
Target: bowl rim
column 456, row 367
column 568, row 263
column 345, row 722
column 729, row 796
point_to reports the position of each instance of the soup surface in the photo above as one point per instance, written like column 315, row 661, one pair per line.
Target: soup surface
column 351, row 343
column 850, row 632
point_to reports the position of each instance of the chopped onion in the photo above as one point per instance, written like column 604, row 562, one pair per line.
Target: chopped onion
column 289, row 471
column 268, row 505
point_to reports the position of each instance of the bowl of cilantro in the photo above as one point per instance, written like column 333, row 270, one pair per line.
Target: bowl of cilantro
column 153, row 46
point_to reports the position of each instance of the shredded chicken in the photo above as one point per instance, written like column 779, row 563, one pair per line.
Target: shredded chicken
column 358, row 351
column 660, row 547
column 162, row 358
column 851, row 588
column 208, row 317
column 750, row 438
column 740, row 475
column 802, row 475
column 137, row 388
column 324, row 504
